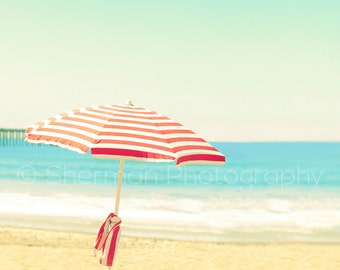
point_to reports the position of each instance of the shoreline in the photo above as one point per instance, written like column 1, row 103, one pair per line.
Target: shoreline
column 71, row 225
column 27, row 248
column 145, row 237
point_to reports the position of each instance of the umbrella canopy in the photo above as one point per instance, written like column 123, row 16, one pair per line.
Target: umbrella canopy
column 125, row 132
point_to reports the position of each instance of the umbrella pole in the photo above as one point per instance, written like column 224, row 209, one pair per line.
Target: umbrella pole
column 119, row 185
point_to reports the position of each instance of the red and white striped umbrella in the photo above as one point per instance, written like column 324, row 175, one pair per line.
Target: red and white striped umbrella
column 125, row 132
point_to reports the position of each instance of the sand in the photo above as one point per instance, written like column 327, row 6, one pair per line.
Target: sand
column 23, row 248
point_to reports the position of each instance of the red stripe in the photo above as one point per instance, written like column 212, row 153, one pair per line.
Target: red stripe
column 185, row 139
column 29, row 129
column 37, row 125
column 148, row 145
column 102, row 233
column 110, row 114
column 65, row 132
column 95, row 116
column 74, row 126
column 133, row 109
column 124, row 107
column 198, row 158
column 145, row 123
column 113, row 247
column 177, row 131
column 40, row 138
column 168, row 124
column 129, row 135
column 151, row 117
column 129, row 153
column 113, row 121
column 133, row 128
column 155, row 131
column 193, row 147
column 94, row 123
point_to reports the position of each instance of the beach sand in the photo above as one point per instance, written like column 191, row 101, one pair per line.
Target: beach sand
column 23, row 248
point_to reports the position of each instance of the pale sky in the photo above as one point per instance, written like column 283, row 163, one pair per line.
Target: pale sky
column 261, row 70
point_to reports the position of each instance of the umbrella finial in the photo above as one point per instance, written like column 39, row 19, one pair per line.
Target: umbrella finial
column 129, row 102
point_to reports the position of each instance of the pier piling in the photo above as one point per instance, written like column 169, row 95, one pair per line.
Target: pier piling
column 12, row 137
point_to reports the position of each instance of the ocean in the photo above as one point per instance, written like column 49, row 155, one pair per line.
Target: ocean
column 275, row 191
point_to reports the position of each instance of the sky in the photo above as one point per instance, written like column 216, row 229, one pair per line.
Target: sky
column 256, row 70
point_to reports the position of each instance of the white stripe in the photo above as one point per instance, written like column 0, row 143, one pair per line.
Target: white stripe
column 82, row 124
column 142, row 116
column 68, row 129
column 101, row 111
column 142, row 133
column 137, row 111
column 170, row 146
column 170, row 128
column 131, row 132
column 183, row 143
column 114, row 111
column 87, row 118
column 141, row 126
column 132, row 158
column 141, row 113
column 94, row 114
column 133, row 140
column 107, row 248
column 76, row 115
column 123, row 117
column 146, row 120
column 117, row 239
column 129, row 126
column 63, row 136
column 39, row 124
column 89, row 111
column 180, row 135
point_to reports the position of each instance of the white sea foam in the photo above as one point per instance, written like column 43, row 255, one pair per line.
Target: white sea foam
column 180, row 213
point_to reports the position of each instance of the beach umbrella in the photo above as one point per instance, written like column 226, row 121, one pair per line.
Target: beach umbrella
column 125, row 132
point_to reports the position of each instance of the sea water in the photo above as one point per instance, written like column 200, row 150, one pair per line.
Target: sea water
column 265, row 192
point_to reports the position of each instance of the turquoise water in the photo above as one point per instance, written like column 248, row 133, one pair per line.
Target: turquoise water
column 266, row 191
